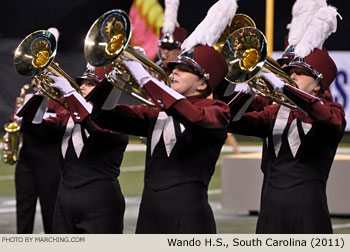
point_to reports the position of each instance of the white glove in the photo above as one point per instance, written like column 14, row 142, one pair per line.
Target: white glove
column 62, row 84
column 275, row 82
column 244, row 87
column 39, row 93
column 139, row 50
column 113, row 75
column 18, row 119
column 138, row 71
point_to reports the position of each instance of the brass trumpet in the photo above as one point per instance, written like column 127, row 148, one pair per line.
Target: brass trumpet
column 107, row 42
column 34, row 57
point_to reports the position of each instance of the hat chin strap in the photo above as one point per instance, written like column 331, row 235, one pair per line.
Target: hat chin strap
column 313, row 85
column 160, row 56
column 195, row 86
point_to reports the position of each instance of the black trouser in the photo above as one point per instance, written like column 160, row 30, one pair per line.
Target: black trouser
column 32, row 182
column 180, row 209
column 95, row 208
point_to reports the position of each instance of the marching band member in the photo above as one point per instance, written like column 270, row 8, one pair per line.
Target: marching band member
column 184, row 138
column 37, row 175
column 294, row 198
column 38, row 172
column 89, row 198
column 295, row 177
column 185, row 134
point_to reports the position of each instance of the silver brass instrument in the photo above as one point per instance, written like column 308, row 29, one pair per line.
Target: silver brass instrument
column 245, row 52
column 107, row 42
column 12, row 137
column 34, row 57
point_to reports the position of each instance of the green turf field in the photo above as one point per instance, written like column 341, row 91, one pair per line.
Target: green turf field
column 131, row 180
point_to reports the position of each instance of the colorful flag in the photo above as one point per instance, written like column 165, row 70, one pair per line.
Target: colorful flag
column 147, row 16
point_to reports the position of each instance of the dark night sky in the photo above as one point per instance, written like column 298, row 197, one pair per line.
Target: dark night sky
column 73, row 18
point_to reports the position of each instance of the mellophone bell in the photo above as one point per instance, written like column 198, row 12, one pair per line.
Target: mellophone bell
column 107, row 43
column 244, row 48
column 34, row 58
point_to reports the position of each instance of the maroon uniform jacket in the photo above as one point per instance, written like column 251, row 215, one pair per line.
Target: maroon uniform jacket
column 184, row 140
column 301, row 147
column 296, row 138
column 92, row 155
column 194, row 130
column 89, row 199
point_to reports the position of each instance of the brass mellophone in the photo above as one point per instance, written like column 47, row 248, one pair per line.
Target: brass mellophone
column 244, row 48
column 107, row 43
column 34, row 58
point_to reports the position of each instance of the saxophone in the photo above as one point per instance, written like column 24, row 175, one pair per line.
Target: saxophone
column 12, row 137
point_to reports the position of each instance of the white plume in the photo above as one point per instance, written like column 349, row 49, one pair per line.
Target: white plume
column 302, row 14
column 323, row 24
column 170, row 16
column 210, row 29
column 55, row 32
